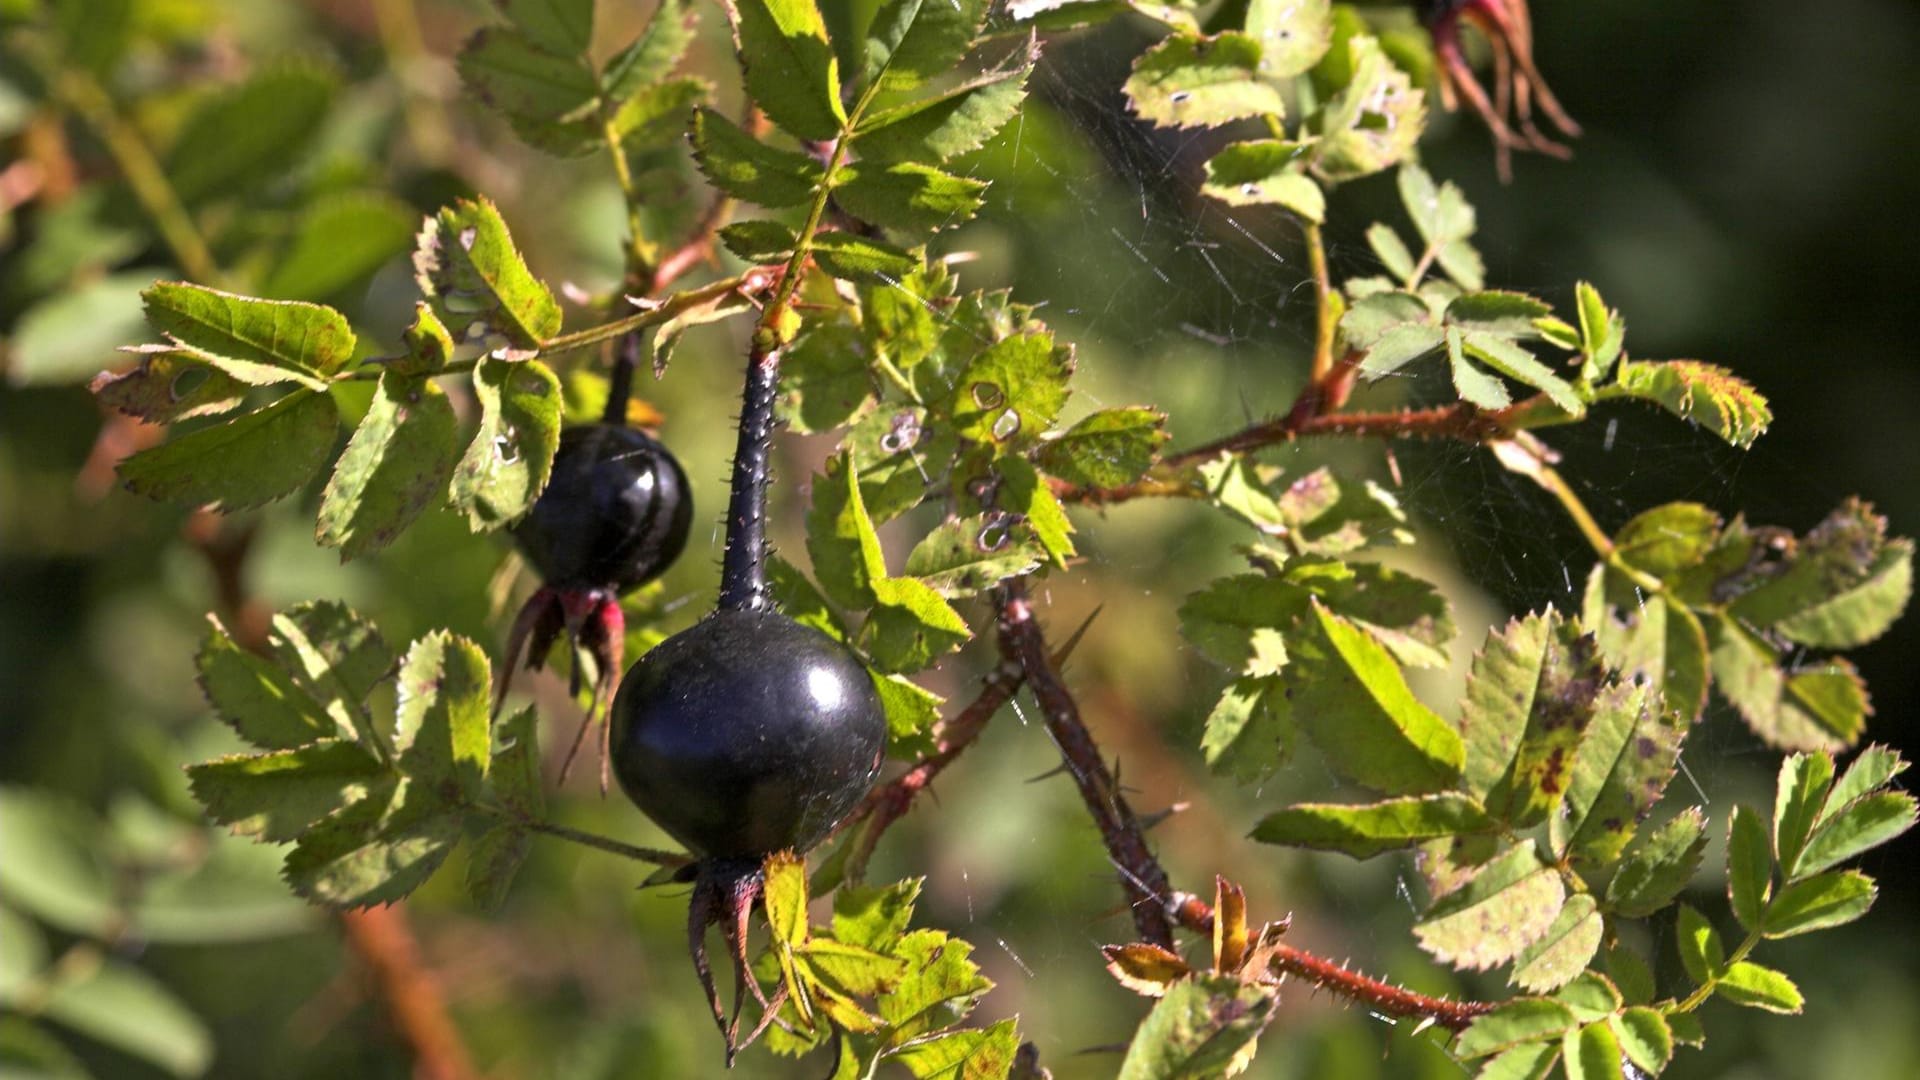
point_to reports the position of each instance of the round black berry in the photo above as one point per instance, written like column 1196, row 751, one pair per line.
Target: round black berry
column 614, row 515
column 747, row 734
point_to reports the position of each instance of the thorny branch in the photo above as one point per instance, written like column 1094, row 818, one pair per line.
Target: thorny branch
column 1157, row 907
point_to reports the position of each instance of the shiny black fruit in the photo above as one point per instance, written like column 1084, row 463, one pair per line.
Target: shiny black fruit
column 747, row 734
column 614, row 515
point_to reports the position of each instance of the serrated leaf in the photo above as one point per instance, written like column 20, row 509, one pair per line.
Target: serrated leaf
column 260, row 342
column 667, row 335
column 167, row 386
column 1530, row 697
column 908, row 197
column 1592, row 997
column 551, row 97
column 1602, row 333
column 1011, row 392
column 1619, row 772
column 514, row 780
column 972, row 554
column 1866, row 823
column 1668, row 539
column 1749, row 866
column 1701, row 953
column 465, row 262
column 1189, row 81
column 1757, row 987
column 942, row 983
column 1700, row 393
column 242, row 137
column 1800, row 799
column 1292, row 34
column 1107, row 448
column 1023, row 492
column 1374, row 121
column 1842, row 585
column 396, row 463
column 910, row 626
column 257, row 698
column 507, row 464
column 786, row 898
column 1518, row 364
column 657, row 115
column 836, row 529
column 1371, row 317
column 1821, row 708
column 123, row 1007
column 950, row 123
column 911, row 712
column 1391, row 250
column 1592, row 1053
column 1650, row 637
column 874, row 916
column 240, row 463
column 1370, row 829
column 745, row 167
column 1658, row 865
column 1265, row 172
column 860, row 258
column 1440, row 212
column 1508, row 905
column 654, row 53
column 1512, row 1024
column 442, row 724
column 1644, row 1038
column 791, row 69
column 1564, row 950
column 1355, row 705
column 1398, row 346
column 1474, row 386
column 1205, row 1026
column 1532, row 1061
column 824, row 381
column 1819, row 902
column 1144, row 968
column 759, row 241
column 1629, row 972
column 275, row 796
column 1250, row 731
column 1872, row 769
column 340, row 241
column 564, row 26
column 910, row 42
column 429, row 345
column 965, row 1054
column 1494, row 312
column 376, row 851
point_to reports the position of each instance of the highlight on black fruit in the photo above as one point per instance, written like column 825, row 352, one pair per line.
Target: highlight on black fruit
column 615, row 515
column 748, row 733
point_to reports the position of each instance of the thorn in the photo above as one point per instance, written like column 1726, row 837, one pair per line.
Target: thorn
column 1066, row 648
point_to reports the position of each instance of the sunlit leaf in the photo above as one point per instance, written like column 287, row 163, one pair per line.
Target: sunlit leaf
column 465, row 262
column 394, row 466
column 1366, row 830
column 240, row 463
column 506, row 465
column 1187, row 81
column 791, row 69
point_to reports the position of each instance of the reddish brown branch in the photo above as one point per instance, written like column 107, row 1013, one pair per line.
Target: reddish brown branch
column 698, row 247
column 1148, row 892
column 385, row 944
column 1385, row 998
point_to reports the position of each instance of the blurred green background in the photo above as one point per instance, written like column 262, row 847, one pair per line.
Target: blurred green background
column 1743, row 194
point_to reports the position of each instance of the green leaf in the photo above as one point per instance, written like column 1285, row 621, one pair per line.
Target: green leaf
column 1010, row 393
column 859, row 258
column 1821, row 708
column 1592, row 1053
column 257, row 698
column 791, row 69
column 1757, row 987
column 1602, row 333
column 336, row 654
column 1367, row 830
column 1819, row 902
column 950, row 123
column 377, row 850
column 916, row 199
column 56, row 865
column 786, row 898
column 1474, row 386
column 759, row 241
column 1865, row 824
column 1250, row 731
column 550, row 97
column 1358, row 710
column 1532, row 1061
column 1514, row 1023
column 1189, row 81
column 1592, row 997
column 1619, row 772
column 1629, row 972
column 1107, row 448
column 1645, row 1038
column 72, row 334
column 649, row 57
column 942, row 982
column 514, row 780
column 1530, row 696
column 240, row 463
column 837, row 526
column 1510, row 904
column 1668, row 539
column 507, row 464
column 1700, row 950
column 1492, row 311
column 1800, row 798
column 1204, row 1026
column 911, row 41
column 825, row 381
column 910, row 626
column 911, row 712
column 563, row 26
column 340, row 241
column 127, row 1009
column 1842, row 586
column 1563, row 951
column 1371, row 317
column 1023, row 492
column 1373, row 122
column 241, row 138
column 966, row 1054
column 1749, row 866
column 1700, row 393
column 1873, row 768
column 1265, row 172
column 1391, row 250
column 465, row 262
column 745, row 167
column 429, row 345
column 1293, row 34
column 657, row 116
column 442, row 724
column 874, row 916
column 1648, row 636
column 1399, row 346
column 24, row 956
column 396, row 463
column 972, row 554
column 1517, row 363
column 1658, row 865
column 260, row 342
column 276, row 796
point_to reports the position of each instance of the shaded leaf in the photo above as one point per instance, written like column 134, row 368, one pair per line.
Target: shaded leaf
column 442, row 724
column 1658, row 865
column 240, row 463
column 908, row 197
column 1865, row 824
column 127, row 1009
column 1819, row 708
column 1107, row 448
column 276, row 796
column 1749, row 866
column 169, row 385
column 377, row 850
column 972, row 554
column 1511, row 903
column 964, row 1054
column 1292, row 34
column 1842, row 585
column 1250, row 731
column 1205, row 1026
column 745, row 167
column 257, row 698
column 859, row 258
column 791, row 69
column 911, row 41
column 73, row 333
column 243, row 136
column 1513, row 1023
column 340, row 241
column 1619, row 771
column 1366, row 830
column 954, row 122
column 1265, row 172
column 1564, row 950
column 1532, row 692
column 1373, row 122
column 507, row 464
column 395, row 465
